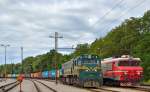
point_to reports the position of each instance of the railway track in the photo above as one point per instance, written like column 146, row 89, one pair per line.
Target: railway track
column 107, row 88
column 142, row 88
column 136, row 88
column 100, row 89
column 9, row 86
column 38, row 88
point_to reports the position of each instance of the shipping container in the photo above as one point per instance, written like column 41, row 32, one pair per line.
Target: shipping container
column 52, row 74
column 45, row 74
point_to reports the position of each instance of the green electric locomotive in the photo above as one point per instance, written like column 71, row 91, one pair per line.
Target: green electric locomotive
column 84, row 71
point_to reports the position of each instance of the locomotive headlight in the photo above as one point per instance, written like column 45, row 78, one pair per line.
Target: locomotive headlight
column 125, row 73
column 95, row 70
column 139, row 72
column 87, row 70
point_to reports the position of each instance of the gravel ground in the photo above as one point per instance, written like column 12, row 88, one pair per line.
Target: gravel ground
column 26, row 86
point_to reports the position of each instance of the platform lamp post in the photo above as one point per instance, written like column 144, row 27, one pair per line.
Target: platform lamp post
column 5, row 46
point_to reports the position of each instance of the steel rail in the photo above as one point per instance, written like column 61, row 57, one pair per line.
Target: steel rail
column 50, row 88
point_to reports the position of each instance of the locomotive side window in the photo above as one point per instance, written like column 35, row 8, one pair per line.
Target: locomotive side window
column 135, row 63
column 128, row 63
column 109, row 66
column 104, row 67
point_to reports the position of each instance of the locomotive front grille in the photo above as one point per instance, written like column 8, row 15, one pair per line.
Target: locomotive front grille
column 91, row 83
column 131, row 76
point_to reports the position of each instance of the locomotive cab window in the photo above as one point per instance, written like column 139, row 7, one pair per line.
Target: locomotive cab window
column 128, row 63
column 90, row 61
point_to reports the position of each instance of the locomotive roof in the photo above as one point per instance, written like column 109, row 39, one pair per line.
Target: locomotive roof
column 119, row 59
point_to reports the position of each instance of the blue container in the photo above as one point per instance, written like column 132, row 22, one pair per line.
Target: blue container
column 52, row 74
column 45, row 74
column 14, row 75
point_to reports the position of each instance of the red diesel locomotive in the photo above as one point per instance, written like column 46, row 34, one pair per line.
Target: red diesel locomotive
column 122, row 71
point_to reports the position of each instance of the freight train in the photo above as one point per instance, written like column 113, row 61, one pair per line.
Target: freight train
column 90, row 71
column 122, row 71
column 84, row 71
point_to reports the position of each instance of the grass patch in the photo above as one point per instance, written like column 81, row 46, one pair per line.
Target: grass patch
column 147, row 82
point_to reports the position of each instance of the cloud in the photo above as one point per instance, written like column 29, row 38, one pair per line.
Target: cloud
column 29, row 23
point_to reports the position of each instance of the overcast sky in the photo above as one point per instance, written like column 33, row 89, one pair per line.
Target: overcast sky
column 29, row 23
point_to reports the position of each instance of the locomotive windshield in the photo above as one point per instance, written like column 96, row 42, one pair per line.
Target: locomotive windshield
column 128, row 63
column 90, row 61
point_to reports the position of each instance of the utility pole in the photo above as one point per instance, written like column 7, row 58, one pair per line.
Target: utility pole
column 5, row 46
column 12, row 64
column 56, row 48
column 31, row 70
column 21, row 60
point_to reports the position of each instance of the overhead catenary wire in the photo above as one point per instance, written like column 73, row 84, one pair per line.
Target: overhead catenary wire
column 122, row 14
column 102, row 18
column 116, row 5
